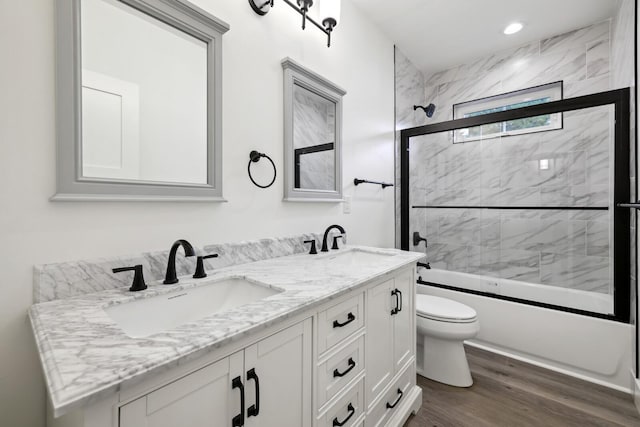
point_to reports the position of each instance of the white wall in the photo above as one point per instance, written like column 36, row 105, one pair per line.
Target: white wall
column 34, row 230
column 127, row 45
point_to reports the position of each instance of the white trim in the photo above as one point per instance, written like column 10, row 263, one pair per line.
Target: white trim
column 77, row 197
column 129, row 95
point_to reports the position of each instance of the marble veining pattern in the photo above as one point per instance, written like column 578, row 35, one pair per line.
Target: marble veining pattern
column 69, row 279
column 87, row 356
column 314, row 119
column 535, row 246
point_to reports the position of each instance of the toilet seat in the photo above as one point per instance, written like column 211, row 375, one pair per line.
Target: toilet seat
column 443, row 309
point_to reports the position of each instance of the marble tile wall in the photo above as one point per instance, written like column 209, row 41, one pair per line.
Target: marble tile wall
column 409, row 91
column 314, row 121
column 558, row 248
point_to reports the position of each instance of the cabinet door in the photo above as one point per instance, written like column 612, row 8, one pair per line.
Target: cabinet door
column 379, row 339
column 404, row 321
column 282, row 364
column 204, row 398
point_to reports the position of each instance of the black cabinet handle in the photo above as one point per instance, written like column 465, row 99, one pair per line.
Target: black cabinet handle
column 337, row 373
column 352, row 411
column 254, row 410
column 394, row 404
column 395, row 310
column 350, row 318
column 399, row 293
column 238, row 420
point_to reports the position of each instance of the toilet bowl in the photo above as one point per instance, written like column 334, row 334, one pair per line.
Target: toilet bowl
column 442, row 326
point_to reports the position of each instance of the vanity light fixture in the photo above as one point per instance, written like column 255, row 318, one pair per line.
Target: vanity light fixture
column 329, row 13
column 513, row 28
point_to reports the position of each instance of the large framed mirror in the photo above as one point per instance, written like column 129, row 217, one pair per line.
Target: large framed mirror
column 312, row 134
column 139, row 101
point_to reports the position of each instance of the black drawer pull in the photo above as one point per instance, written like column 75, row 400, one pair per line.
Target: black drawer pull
column 350, row 318
column 238, row 420
column 399, row 293
column 337, row 373
column 337, row 423
column 254, row 410
column 396, row 309
column 394, row 404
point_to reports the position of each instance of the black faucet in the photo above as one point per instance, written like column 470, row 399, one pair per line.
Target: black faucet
column 325, row 247
column 171, row 278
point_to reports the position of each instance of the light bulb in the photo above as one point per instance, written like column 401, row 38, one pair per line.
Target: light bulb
column 513, row 28
column 330, row 9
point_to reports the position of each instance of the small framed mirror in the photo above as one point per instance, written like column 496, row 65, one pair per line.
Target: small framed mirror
column 312, row 135
column 139, row 101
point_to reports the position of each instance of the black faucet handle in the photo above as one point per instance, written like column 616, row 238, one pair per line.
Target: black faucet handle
column 335, row 241
column 138, row 277
column 313, row 249
column 200, row 273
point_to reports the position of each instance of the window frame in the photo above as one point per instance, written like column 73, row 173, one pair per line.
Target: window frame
column 553, row 91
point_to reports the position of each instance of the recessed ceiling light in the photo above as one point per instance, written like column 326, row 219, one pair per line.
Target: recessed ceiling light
column 513, row 28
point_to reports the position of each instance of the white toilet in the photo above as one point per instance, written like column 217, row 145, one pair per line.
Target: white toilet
column 443, row 325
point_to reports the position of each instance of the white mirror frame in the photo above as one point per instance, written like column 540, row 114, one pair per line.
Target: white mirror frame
column 296, row 74
column 71, row 185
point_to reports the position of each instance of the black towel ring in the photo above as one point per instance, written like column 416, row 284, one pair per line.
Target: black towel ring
column 254, row 156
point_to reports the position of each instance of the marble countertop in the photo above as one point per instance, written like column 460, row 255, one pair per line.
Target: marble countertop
column 86, row 356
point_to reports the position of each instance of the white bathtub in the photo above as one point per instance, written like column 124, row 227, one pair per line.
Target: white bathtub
column 590, row 348
column 564, row 297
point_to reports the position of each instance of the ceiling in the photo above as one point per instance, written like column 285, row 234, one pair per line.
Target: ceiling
column 439, row 34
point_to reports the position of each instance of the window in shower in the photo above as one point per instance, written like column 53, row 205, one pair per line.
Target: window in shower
column 505, row 102
column 531, row 218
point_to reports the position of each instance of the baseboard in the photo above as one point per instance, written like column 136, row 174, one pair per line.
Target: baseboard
column 551, row 367
column 411, row 405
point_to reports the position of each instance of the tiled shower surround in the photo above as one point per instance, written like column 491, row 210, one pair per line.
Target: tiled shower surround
column 554, row 247
column 315, row 120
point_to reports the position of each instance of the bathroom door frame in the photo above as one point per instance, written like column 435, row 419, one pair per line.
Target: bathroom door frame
column 620, row 99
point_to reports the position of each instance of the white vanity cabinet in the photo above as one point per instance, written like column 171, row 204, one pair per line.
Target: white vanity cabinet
column 349, row 362
column 212, row 396
column 390, row 345
column 199, row 399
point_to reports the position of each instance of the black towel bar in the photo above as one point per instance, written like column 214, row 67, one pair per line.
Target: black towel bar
column 357, row 181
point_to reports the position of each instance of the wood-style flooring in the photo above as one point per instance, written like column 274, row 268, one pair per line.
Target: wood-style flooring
column 510, row 393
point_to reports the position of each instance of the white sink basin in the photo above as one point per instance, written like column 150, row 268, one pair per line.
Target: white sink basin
column 355, row 257
column 147, row 316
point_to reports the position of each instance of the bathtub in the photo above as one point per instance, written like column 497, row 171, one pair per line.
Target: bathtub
column 590, row 348
column 563, row 297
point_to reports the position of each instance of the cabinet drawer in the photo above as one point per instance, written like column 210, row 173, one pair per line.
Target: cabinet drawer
column 340, row 369
column 338, row 322
column 381, row 412
column 348, row 409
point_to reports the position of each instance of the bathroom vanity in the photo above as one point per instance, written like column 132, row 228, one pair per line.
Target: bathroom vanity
column 298, row 340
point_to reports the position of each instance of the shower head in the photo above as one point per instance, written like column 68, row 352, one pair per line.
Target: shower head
column 428, row 110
